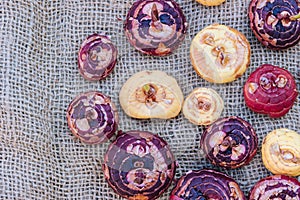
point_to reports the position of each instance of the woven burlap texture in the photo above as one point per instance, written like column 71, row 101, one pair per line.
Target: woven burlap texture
column 40, row 158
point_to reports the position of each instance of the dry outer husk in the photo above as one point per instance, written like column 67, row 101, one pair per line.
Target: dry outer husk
column 220, row 54
column 168, row 97
column 203, row 106
column 39, row 157
column 210, row 2
column 281, row 152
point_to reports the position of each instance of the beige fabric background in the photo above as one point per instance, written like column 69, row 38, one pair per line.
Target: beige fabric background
column 40, row 159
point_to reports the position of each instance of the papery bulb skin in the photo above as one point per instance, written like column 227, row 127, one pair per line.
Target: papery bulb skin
column 92, row 117
column 220, row 54
column 270, row 90
column 97, row 57
column 211, row 2
column 139, row 165
column 229, row 142
column 276, row 187
column 151, row 94
column 203, row 106
column 155, row 27
column 206, row 184
column 275, row 23
column 281, row 152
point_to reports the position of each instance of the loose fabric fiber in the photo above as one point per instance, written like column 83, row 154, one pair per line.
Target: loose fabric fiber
column 41, row 159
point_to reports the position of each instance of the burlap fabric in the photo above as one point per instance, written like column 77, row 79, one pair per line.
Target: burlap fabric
column 39, row 157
